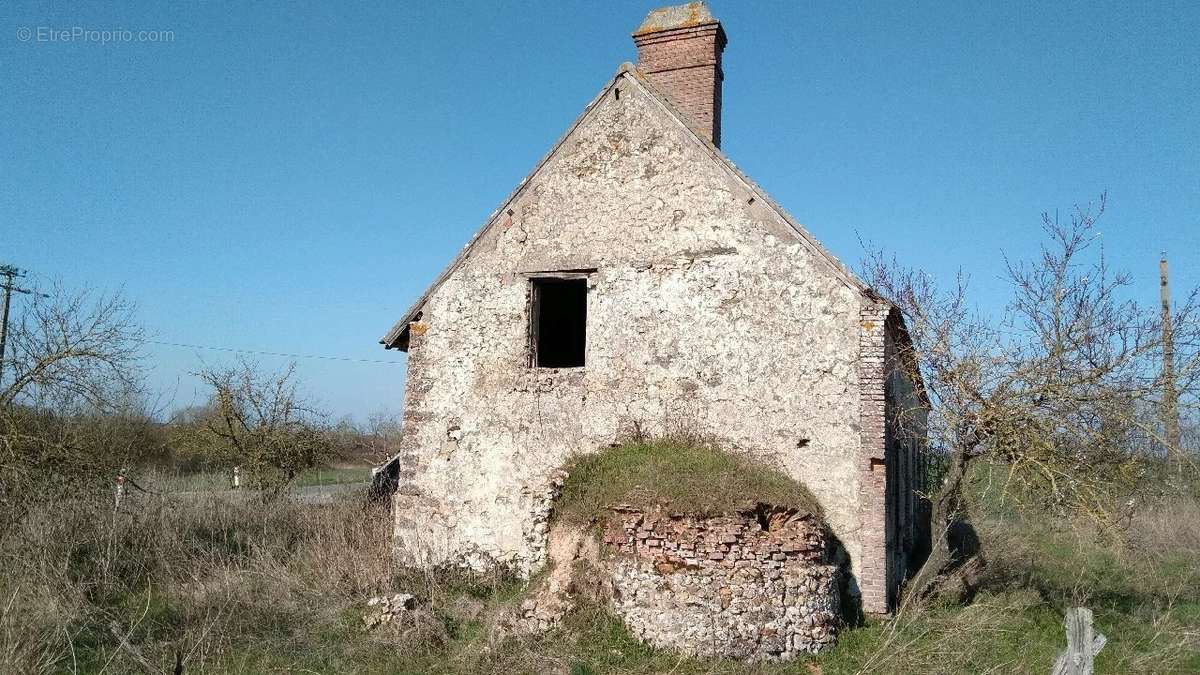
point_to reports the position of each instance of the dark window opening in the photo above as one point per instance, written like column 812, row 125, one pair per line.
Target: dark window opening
column 559, row 322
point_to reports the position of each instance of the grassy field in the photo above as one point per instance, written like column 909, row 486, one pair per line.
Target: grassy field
column 335, row 476
column 240, row 586
column 211, row 480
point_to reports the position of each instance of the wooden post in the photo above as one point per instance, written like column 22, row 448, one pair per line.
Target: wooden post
column 1083, row 644
column 1170, row 402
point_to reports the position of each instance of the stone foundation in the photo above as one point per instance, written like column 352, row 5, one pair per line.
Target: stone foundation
column 756, row 585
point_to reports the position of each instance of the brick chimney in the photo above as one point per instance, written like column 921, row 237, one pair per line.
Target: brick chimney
column 679, row 49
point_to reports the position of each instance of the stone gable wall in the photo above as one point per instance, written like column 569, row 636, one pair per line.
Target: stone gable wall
column 704, row 313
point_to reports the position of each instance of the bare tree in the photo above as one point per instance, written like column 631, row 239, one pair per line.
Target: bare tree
column 1054, row 388
column 72, row 349
column 71, row 359
column 260, row 422
column 384, row 430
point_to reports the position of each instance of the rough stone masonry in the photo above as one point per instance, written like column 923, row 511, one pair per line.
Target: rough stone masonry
column 637, row 282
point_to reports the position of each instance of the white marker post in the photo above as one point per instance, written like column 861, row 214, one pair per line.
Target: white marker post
column 237, row 478
column 120, row 492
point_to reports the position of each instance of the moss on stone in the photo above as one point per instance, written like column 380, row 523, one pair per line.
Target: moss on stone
column 678, row 476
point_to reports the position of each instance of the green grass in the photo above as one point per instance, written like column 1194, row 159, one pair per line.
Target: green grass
column 207, row 481
column 334, row 476
column 308, row 620
column 680, row 476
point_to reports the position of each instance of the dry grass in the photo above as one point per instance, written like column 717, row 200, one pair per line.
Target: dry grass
column 247, row 587
column 1170, row 523
column 93, row 589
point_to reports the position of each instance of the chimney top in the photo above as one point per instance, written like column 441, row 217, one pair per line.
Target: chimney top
column 679, row 50
column 680, row 16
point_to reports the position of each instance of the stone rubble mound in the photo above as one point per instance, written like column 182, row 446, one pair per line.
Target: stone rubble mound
column 756, row 585
column 385, row 609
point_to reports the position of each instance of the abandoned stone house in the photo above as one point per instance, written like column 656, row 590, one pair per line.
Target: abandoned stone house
column 637, row 281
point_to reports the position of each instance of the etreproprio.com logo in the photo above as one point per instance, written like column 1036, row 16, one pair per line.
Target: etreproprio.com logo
column 91, row 35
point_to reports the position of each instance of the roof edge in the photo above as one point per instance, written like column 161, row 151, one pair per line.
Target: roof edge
column 395, row 338
column 397, row 334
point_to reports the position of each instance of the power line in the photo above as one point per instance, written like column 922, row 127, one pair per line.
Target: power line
column 10, row 274
column 263, row 353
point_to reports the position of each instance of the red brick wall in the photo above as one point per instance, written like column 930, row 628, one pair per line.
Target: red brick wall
column 895, row 523
column 872, row 569
column 685, row 65
column 675, row 541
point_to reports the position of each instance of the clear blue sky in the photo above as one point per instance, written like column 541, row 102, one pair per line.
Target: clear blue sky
column 290, row 176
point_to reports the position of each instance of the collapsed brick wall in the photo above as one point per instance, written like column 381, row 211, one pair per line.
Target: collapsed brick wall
column 756, row 585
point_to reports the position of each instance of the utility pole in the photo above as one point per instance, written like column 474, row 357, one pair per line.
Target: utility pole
column 10, row 274
column 1170, row 403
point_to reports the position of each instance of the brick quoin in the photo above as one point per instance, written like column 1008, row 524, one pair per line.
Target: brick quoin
column 407, row 496
column 681, row 56
column 873, row 575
